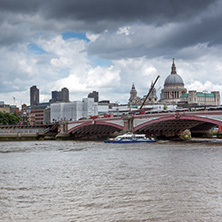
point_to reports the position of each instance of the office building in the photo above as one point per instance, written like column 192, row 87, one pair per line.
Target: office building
column 34, row 96
column 55, row 96
column 94, row 95
column 65, row 95
column 60, row 96
column 35, row 114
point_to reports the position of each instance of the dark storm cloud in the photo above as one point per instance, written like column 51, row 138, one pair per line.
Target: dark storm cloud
column 165, row 40
column 21, row 21
column 106, row 14
column 115, row 11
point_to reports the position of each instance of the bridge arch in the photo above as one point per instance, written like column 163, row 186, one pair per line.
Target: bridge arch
column 176, row 123
column 100, row 128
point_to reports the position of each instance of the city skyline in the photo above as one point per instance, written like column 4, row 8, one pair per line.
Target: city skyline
column 88, row 46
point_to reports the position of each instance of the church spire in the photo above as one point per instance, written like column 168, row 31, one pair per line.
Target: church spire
column 173, row 68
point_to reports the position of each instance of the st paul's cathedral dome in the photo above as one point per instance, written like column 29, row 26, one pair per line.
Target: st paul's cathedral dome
column 173, row 87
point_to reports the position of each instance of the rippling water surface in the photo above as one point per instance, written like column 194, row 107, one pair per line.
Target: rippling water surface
column 93, row 181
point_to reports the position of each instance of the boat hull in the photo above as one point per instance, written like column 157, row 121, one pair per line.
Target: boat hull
column 133, row 141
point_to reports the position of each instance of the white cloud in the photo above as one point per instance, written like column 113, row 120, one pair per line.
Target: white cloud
column 219, row 66
column 103, row 77
column 66, row 64
column 73, row 82
column 92, row 37
column 126, row 30
column 202, row 86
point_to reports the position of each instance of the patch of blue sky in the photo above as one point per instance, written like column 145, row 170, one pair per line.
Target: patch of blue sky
column 34, row 49
column 76, row 35
column 65, row 71
column 99, row 62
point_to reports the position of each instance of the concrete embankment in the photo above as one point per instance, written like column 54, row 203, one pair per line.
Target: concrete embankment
column 18, row 136
column 32, row 136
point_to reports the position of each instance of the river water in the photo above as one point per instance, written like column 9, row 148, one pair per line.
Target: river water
column 93, row 181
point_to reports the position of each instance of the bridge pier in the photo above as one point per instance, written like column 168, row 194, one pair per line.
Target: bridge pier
column 127, row 122
column 63, row 130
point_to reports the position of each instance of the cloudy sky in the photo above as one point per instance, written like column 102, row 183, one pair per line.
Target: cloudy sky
column 106, row 45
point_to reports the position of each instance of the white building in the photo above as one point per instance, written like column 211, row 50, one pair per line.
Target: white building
column 73, row 110
column 90, row 108
column 103, row 108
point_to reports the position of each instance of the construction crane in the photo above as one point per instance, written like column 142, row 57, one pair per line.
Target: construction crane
column 14, row 103
column 151, row 88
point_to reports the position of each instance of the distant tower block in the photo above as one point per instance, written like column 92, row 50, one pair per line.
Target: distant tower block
column 65, row 95
column 94, row 95
column 34, row 96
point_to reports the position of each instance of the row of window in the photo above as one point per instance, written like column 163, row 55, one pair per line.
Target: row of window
column 203, row 99
column 67, row 109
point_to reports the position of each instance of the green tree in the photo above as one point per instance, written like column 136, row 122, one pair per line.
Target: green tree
column 165, row 107
column 8, row 118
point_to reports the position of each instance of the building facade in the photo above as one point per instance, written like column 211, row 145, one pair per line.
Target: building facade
column 35, row 114
column 55, row 96
column 173, row 87
column 65, row 95
column 134, row 100
column 4, row 108
column 60, row 96
column 94, row 95
column 201, row 98
column 73, row 110
column 34, row 96
column 14, row 109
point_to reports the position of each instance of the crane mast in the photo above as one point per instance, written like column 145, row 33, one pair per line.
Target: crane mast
column 151, row 88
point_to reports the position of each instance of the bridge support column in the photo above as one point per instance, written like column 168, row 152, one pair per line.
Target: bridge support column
column 127, row 122
column 219, row 133
column 63, row 130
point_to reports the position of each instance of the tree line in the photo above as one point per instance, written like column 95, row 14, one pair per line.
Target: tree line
column 8, row 118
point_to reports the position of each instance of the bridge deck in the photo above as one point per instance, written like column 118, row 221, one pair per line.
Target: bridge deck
column 158, row 123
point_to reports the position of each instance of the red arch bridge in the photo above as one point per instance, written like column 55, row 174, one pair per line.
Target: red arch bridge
column 160, row 124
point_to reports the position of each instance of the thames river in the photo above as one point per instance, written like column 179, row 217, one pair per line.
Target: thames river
column 97, row 182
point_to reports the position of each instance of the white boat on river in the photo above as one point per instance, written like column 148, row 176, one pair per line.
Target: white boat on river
column 131, row 138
